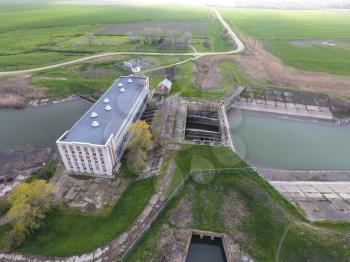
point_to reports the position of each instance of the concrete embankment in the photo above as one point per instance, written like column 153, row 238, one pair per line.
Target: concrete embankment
column 289, row 109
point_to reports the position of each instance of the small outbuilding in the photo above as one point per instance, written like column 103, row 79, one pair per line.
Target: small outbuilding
column 132, row 66
column 164, row 87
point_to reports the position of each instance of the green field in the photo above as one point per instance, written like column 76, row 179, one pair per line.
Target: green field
column 39, row 35
column 256, row 217
column 184, row 82
column 276, row 28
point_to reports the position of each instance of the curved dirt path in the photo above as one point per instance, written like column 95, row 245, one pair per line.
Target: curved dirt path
column 239, row 48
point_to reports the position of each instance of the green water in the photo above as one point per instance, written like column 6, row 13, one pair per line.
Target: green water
column 39, row 126
column 285, row 143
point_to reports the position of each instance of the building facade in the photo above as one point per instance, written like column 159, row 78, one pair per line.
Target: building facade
column 95, row 144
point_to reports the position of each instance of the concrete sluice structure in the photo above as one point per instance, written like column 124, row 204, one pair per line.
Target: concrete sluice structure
column 149, row 113
column 203, row 126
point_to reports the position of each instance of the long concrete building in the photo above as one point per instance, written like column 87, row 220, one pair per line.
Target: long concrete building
column 95, row 144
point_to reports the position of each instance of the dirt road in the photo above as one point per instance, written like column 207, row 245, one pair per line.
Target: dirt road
column 239, row 48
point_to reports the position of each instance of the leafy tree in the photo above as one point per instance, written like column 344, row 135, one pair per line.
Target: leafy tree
column 140, row 140
column 29, row 204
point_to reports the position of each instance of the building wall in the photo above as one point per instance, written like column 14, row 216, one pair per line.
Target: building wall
column 100, row 160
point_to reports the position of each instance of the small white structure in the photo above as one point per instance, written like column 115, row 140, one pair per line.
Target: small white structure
column 132, row 66
column 164, row 87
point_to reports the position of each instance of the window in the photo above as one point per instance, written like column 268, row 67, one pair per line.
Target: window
column 80, row 153
column 78, row 167
column 94, row 154
column 87, row 154
column 66, row 151
column 68, row 158
column 82, row 160
column 102, row 162
column 71, row 167
column 101, row 155
column 91, row 169
column 96, row 161
column 72, row 152
column 76, row 160
column 84, row 167
column 89, row 161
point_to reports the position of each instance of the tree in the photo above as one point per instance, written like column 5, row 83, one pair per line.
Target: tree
column 29, row 204
column 139, row 141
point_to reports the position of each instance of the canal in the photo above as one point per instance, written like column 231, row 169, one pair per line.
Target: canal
column 39, row 126
column 285, row 143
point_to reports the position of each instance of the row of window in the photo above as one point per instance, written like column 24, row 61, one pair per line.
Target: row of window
column 85, row 168
column 82, row 160
column 80, row 153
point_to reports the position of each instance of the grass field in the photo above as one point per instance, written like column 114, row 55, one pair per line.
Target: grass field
column 39, row 35
column 256, row 217
column 230, row 77
column 276, row 28
column 65, row 232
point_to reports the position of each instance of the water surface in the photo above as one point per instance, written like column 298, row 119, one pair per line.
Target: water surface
column 205, row 250
column 39, row 126
column 285, row 143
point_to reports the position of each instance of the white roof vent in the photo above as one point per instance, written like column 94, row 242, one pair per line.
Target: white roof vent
column 95, row 124
column 122, row 89
column 129, row 80
column 120, row 84
column 106, row 100
column 93, row 114
column 108, row 107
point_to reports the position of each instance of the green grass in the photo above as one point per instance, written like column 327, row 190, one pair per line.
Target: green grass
column 230, row 76
column 278, row 27
column 283, row 24
column 330, row 59
column 39, row 35
column 259, row 231
column 66, row 232
column 80, row 79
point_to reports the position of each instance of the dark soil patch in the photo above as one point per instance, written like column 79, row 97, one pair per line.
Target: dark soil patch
column 169, row 73
column 206, row 74
column 196, row 28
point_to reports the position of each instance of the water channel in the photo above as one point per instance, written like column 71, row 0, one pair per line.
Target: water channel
column 285, row 143
column 39, row 126
column 206, row 250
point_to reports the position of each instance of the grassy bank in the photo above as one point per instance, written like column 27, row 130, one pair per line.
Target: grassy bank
column 68, row 232
column 247, row 209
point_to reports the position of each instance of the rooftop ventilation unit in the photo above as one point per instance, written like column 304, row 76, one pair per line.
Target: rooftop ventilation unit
column 95, row 124
column 93, row 114
column 106, row 100
column 120, row 84
column 129, row 80
column 108, row 107
column 122, row 89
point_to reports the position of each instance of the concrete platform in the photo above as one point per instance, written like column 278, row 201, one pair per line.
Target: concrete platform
column 318, row 200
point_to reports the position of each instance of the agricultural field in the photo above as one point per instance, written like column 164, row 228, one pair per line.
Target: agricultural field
column 279, row 29
column 39, row 35
column 264, row 225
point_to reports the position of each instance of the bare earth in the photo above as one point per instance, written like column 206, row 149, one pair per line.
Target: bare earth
column 261, row 66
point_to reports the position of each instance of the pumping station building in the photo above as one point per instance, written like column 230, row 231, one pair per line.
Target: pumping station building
column 95, row 144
